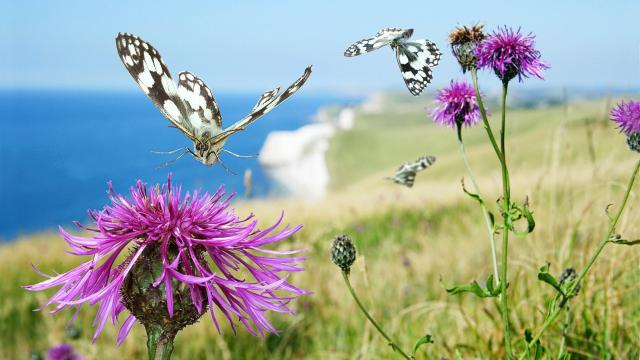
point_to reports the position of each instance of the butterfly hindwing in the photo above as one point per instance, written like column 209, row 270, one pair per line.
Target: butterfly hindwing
column 406, row 173
column 415, row 59
column 147, row 68
column 204, row 111
column 382, row 38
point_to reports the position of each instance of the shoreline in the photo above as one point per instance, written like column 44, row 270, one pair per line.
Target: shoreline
column 296, row 160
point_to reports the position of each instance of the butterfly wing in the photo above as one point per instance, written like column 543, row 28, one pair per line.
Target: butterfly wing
column 205, row 117
column 382, row 38
column 415, row 59
column 147, row 68
column 266, row 103
column 406, row 173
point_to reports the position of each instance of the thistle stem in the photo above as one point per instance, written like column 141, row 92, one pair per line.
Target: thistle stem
column 506, row 193
column 485, row 212
column 159, row 344
column 375, row 324
column 605, row 240
column 506, row 189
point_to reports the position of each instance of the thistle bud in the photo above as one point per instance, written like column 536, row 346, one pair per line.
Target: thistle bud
column 569, row 274
column 343, row 252
column 463, row 41
column 634, row 142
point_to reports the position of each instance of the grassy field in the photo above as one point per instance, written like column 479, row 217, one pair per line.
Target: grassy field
column 568, row 160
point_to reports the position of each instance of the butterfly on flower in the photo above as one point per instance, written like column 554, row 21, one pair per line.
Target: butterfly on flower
column 406, row 173
column 190, row 106
column 415, row 57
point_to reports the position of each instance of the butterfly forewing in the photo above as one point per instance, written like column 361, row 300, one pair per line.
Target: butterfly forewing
column 147, row 68
column 266, row 103
column 382, row 38
column 204, row 112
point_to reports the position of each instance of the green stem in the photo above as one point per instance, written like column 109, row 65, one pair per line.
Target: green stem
column 605, row 240
column 159, row 344
column 485, row 212
column 500, row 152
column 375, row 324
column 506, row 193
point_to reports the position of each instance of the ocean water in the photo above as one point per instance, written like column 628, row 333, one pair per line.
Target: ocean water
column 59, row 149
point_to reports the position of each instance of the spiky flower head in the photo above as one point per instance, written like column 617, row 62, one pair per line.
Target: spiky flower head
column 463, row 41
column 456, row 105
column 510, row 53
column 343, row 252
column 62, row 352
column 186, row 253
column 627, row 116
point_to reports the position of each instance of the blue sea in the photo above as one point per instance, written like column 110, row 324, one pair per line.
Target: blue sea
column 58, row 150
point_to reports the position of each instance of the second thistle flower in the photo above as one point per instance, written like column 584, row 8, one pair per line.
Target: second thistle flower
column 463, row 41
column 456, row 105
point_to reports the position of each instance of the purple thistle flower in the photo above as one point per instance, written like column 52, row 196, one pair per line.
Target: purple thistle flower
column 186, row 254
column 627, row 116
column 456, row 105
column 510, row 53
column 62, row 352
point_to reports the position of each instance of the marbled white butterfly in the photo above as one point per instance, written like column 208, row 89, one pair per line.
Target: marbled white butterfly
column 190, row 106
column 406, row 173
column 415, row 57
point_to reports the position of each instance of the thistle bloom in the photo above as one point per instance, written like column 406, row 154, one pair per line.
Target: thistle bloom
column 62, row 352
column 185, row 254
column 456, row 105
column 510, row 53
column 627, row 116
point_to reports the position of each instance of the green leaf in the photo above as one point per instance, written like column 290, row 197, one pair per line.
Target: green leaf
column 625, row 242
column 516, row 213
column 474, row 196
column 457, row 356
column 427, row 339
column 545, row 276
column 475, row 289
column 538, row 349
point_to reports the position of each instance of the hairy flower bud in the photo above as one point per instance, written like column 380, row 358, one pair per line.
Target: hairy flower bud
column 343, row 252
column 463, row 41
column 634, row 142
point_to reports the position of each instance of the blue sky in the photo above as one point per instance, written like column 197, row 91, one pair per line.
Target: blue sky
column 254, row 45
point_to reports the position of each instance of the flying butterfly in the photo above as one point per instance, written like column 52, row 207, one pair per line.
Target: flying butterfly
column 415, row 57
column 406, row 173
column 190, row 106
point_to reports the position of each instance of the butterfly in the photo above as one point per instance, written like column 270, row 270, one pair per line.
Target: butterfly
column 415, row 57
column 190, row 106
column 406, row 173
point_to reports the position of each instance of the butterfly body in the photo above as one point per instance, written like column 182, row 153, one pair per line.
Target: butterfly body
column 190, row 106
column 415, row 57
column 406, row 173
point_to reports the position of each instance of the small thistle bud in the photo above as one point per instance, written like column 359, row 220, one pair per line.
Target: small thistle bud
column 343, row 252
column 569, row 274
column 634, row 142
column 463, row 41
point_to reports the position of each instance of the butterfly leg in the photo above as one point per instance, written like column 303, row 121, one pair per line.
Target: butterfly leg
column 238, row 156
column 176, row 159
column 223, row 165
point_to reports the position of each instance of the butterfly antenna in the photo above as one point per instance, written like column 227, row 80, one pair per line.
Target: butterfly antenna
column 239, row 156
column 174, row 160
column 169, row 152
